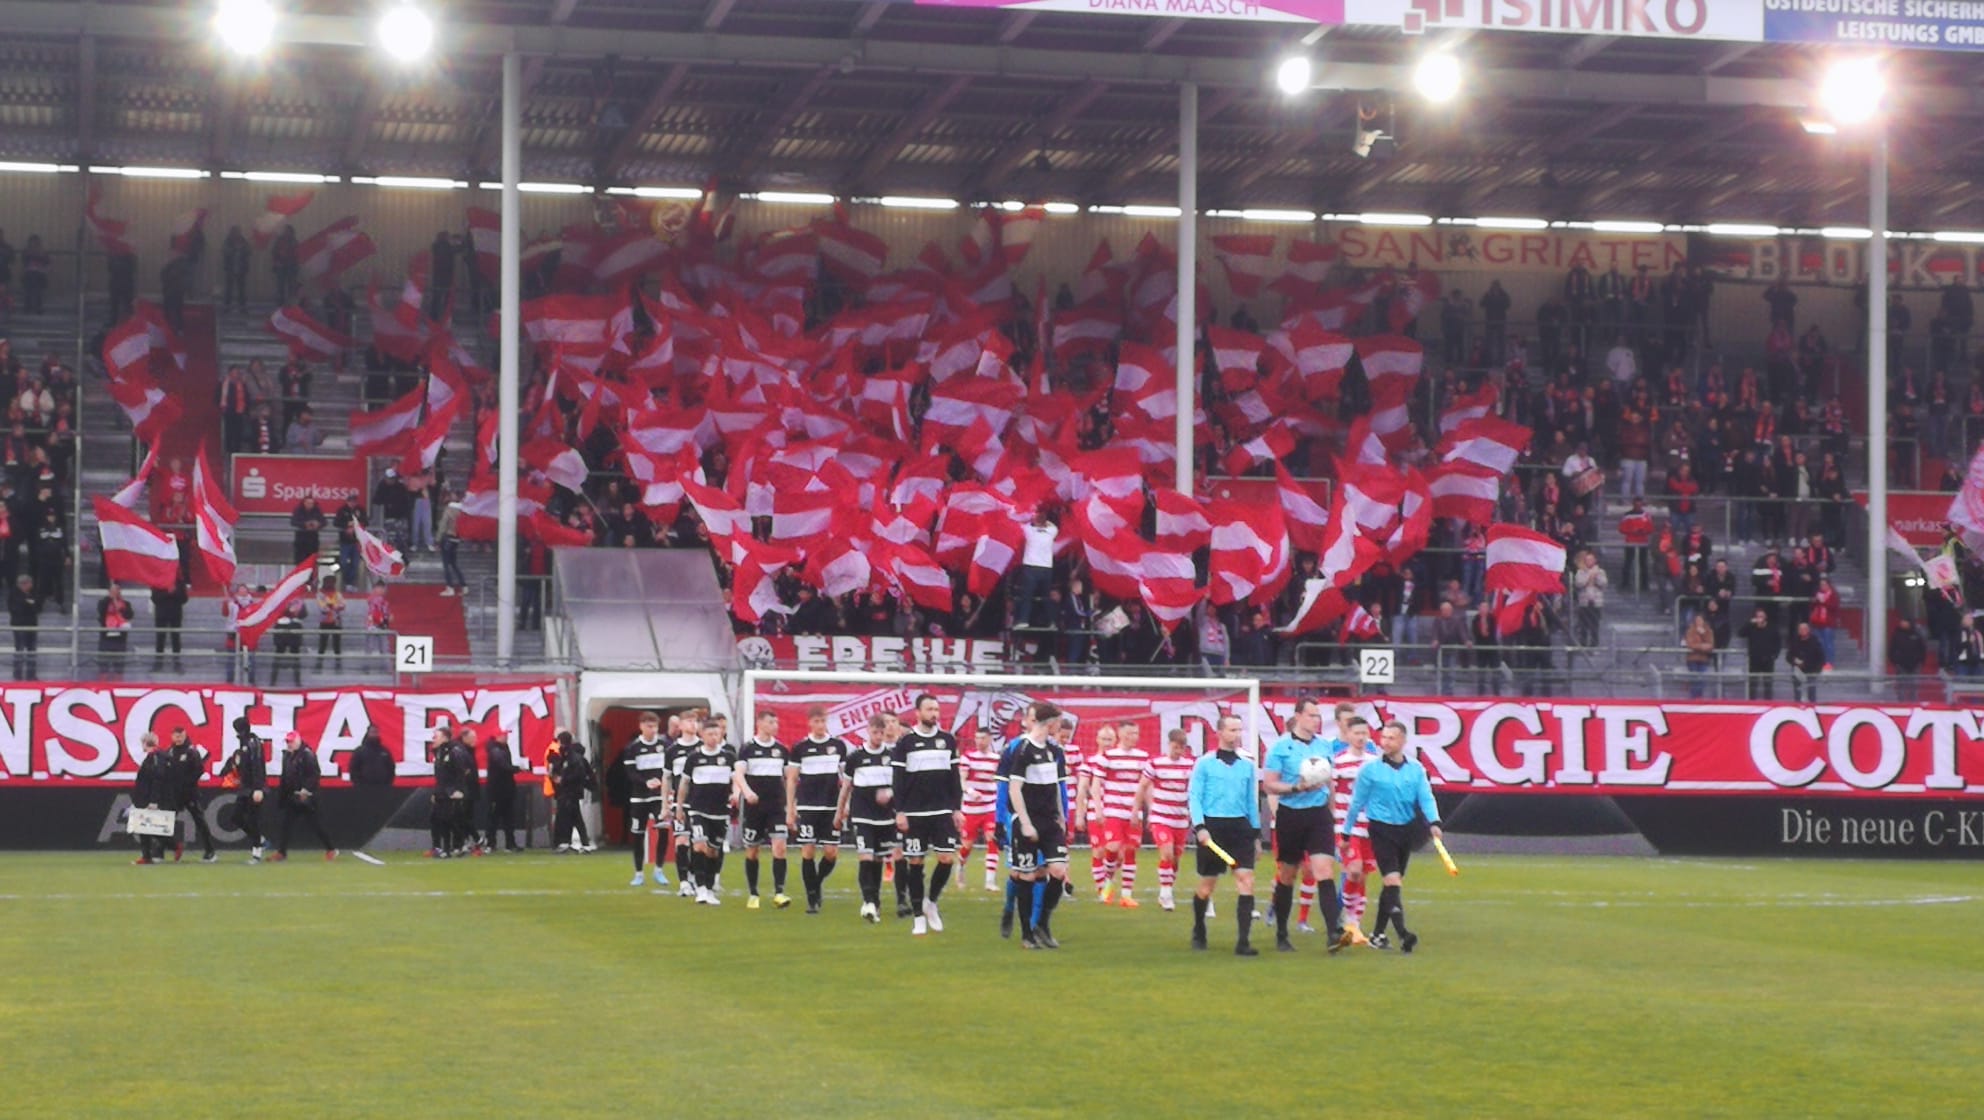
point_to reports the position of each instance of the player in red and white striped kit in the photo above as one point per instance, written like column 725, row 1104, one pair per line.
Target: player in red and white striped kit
column 1118, row 773
column 1161, row 791
column 981, row 804
column 1353, row 850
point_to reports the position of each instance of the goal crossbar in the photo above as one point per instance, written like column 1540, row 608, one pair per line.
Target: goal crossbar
column 748, row 704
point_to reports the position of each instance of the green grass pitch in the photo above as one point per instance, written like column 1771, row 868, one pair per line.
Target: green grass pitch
column 543, row 986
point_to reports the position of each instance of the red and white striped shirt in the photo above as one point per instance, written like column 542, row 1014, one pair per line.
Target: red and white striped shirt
column 1118, row 772
column 981, row 783
column 1347, row 763
column 1169, row 780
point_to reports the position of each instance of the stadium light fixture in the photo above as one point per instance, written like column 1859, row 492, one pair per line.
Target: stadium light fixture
column 1151, row 212
column 1295, row 216
column 309, row 177
column 1385, row 218
column 1627, row 227
column 1846, row 233
column 1957, row 237
column 1819, row 127
column 412, row 182
column 910, row 202
column 1511, row 223
column 1294, row 74
column 685, row 193
column 406, row 33
column 793, row 198
column 35, row 168
column 1061, row 208
column 1852, row 90
column 151, row 172
column 245, row 27
column 1742, row 229
column 1437, row 77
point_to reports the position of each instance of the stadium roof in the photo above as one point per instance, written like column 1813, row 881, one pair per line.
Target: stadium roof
column 971, row 102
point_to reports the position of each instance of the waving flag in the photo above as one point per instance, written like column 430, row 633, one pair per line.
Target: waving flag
column 1522, row 559
column 1247, row 259
column 257, row 618
column 485, row 237
column 1488, row 446
column 306, row 337
column 109, row 232
column 557, row 461
column 1461, row 493
column 388, row 430
column 134, row 550
column 277, row 213
column 381, row 559
column 213, row 522
column 425, row 446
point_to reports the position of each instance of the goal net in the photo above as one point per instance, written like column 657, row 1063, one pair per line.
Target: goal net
column 998, row 702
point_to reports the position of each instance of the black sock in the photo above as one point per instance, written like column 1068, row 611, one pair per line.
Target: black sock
column 809, row 876
column 682, row 862
column 871, row 882
column 640, row 850
column 827, row 866
column 914, row 873
column 1398, row 911
column 1026, row 907
column 778, row 874
column 1055, row 889
column 1199, row 916
column 938, row 880
column 693, row 874
column 902, row 885
column 1386, row 899
column 1284, row 898
column 1246, row 908
column 751, row 874
column 1332, row 906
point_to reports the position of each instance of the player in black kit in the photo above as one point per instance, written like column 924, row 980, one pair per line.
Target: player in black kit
column 929, row 797
column 813, row 795
column 687, row 741
column 706, row 795
column 644, row 760
column 761, row 793
column 1034, row 774
column 867, row 788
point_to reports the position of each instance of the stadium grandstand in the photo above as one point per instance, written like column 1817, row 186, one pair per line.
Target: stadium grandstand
column 425, row 402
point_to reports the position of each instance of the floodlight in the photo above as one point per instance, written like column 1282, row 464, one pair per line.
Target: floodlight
column 1294, row 74
column 1437, row 77
column 406, row 33
column 1852, row 91
column 245, row 27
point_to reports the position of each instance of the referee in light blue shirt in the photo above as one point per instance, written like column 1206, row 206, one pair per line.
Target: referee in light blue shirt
column 1223, row 799
column 1393, row 792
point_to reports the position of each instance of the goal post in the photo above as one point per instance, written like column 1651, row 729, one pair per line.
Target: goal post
column 1251, row 686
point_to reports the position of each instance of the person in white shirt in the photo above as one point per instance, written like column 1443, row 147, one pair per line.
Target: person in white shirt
column 1036, row 570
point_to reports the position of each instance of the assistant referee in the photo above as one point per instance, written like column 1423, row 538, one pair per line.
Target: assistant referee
column 1393, row 792
column 1224, row 802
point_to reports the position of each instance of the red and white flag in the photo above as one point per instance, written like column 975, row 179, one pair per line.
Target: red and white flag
column 557, row 461
column 213, row 523
column 627, row 257
column 1522, row 559
column 1415, row 520
column 915, row 573
column 1318, row 356
column 485, row 237
column 998, row 549
column 1468, row 406
column 256, row 619
column 332, row 251
column 1237, row 356
column 150, row 409
column 381, row 559
column 1182, row 524
column 1168, row 585
column 127, row 496
column 387, row 431
column 852, row 255
column 1389, row 357
column 720, row 513
column 956, row 404
column 1487, row 446
column 1247, row 258
column 1309, row 263
column 1250, row 553
column 306, row 337
column 275, row 214
column 1463, row 494
column 1305, row 512
column 1144, row 379
column 425, row 446
column 1967, row 508
column 109, row 231
column 1270, row 446
column 185, row 228
column 135, row 550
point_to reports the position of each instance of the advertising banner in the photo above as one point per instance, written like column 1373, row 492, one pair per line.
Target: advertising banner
column 273, row 484
column 1912, row 265
column 1327, row 12
column 1530, row 747
column 87, row 734
column 925, row 655
column 1918, row 515
column 1921, row 24
column 1475, row 249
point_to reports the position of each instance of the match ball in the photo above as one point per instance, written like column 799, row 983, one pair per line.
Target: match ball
column 1316, row 770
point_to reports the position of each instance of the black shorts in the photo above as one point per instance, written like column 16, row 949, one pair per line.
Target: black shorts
column 1236, row 837
column 816, row 826
column 640, row 813
column 1299, row 833
column 1032, row 855
column 1392, row 844
column 711, row 832
column 871, row 839
column 932, row 835
column 761, row 824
